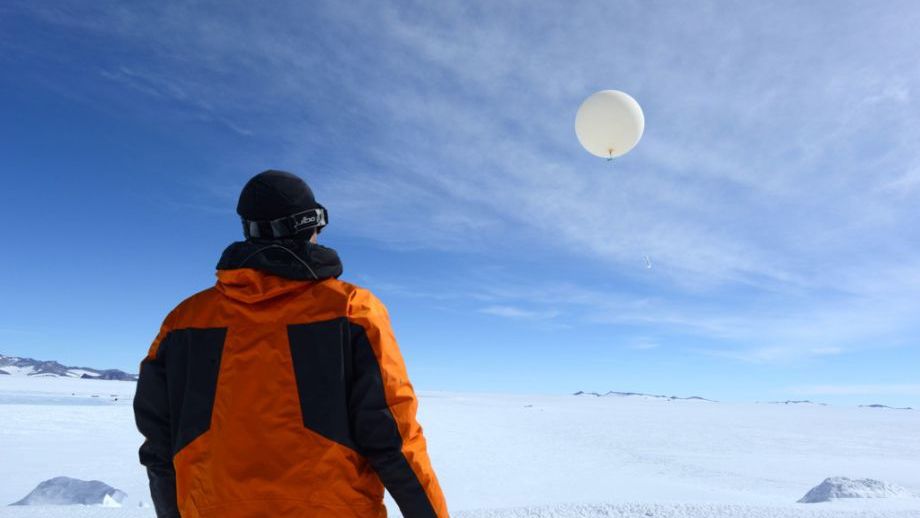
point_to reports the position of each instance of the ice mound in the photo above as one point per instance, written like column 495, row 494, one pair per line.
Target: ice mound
column 70, row 491
column 843, row 487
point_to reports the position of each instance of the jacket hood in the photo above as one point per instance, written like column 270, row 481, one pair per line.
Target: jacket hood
column 256, row 270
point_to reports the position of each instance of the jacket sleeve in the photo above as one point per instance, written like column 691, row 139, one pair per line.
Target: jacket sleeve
column 151, row 413
column 382, row 408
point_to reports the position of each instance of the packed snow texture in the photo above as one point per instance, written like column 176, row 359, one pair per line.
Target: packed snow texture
column 70, row 491
column 540, row 456
column 843, row 487
column 682, row 511
column 547, row 511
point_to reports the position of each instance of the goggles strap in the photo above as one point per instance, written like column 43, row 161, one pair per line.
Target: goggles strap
column 287, row 225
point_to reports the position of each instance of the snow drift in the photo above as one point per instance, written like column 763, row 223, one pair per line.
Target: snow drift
column 843, row 487
column 71, row 491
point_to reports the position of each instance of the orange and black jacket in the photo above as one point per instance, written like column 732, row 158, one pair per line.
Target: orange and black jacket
column 281, row 392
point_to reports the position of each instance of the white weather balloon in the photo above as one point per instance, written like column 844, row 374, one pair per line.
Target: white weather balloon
column 609, row 123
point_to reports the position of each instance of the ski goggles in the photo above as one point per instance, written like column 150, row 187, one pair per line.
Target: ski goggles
column 288, row 225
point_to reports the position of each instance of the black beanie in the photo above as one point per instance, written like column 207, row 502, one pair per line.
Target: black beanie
column 275, row 194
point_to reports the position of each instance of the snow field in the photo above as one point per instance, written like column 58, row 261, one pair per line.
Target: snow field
column 540, row 456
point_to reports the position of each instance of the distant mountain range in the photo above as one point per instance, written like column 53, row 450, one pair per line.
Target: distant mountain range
column 16, row 366
column 807, row 402
column 640, row 395
column 613, row 393
column 796, row 402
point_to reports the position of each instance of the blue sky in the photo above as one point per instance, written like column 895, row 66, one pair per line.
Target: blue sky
column 776, row 189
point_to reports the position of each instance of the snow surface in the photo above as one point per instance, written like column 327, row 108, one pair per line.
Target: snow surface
column 540, row 456
column 552, row 511
column 18, row 371
column 112, row 501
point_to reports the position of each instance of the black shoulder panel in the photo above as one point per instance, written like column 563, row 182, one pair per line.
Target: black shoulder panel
column 377, row 432
column 192, row 360
column 322, row 369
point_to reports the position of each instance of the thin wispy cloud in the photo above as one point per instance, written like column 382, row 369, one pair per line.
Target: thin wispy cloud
column 514, row 312
column 644, row 345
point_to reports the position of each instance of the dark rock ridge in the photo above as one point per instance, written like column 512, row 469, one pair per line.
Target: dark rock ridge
column 640, row 394
column 34, row 367
column 72, row 491
column 876, row 405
